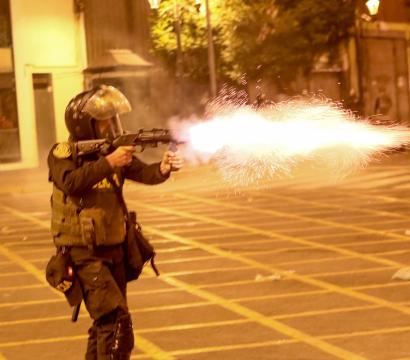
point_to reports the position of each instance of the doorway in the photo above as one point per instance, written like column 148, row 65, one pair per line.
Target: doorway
column 45, row 121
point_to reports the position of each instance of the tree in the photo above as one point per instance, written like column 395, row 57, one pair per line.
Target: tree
column 275, row 38
column 192, row 26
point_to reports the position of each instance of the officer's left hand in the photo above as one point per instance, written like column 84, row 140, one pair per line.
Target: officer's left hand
column 171, row 161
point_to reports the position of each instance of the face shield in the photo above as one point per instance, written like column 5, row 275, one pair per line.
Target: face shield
column 105, row 106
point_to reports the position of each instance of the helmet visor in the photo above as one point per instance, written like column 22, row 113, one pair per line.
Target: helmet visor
column 108, row 128
column 106, row 103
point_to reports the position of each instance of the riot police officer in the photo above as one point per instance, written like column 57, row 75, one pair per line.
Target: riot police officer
column 87, row 217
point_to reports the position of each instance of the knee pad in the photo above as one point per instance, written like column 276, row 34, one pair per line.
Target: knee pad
column 123, row 341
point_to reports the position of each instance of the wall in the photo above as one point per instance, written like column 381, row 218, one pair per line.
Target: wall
column 394, row 11
column 47, row 38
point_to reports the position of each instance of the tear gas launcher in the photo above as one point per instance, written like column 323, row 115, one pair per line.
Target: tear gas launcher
column 143, row 138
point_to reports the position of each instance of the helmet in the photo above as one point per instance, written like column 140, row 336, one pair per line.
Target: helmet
column 84, row 111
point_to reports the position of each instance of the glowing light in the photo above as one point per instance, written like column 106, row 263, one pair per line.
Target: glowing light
column 250, row 144
column 154, row 4
column 373, row 6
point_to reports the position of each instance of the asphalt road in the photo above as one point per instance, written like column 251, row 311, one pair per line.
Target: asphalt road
column 293, row 268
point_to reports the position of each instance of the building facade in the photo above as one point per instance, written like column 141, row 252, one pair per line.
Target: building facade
column 42, row 58
column 380, row 65
column 51, row 50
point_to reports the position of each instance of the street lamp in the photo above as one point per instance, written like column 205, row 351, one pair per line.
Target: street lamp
column 154, row 4
column 373, row 7
column 211, row 52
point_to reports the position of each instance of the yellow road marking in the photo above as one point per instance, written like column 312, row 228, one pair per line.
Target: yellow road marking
column 25, row 216
column 150, row 348
column 132, row 311
column 261, row 319
column 31, row 302
column 29, row 242
column 232, row 283
column 211, row 349
column 281, row 342
column 334, row 206
column 23, row 287
column 143, row 344
column 41, row 341
column 326, row 312
column 15, row 273
column 196, row 325
column 273, row 241
column 329, row 223
column 285, row 237
column 194, row 258
column 356, row 271
column 368, row 332
column 226, row 347
column 40, row 302
column 173, row 249
column 302, row 278
column 49, row 250
column 283, row 295
column 27, row 266
column 6, row 262
column 207, row 271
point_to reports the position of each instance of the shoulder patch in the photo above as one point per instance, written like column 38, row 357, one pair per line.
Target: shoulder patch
column 62, row 150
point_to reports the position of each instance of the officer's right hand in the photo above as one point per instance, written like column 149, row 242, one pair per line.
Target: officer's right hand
column 121, row 156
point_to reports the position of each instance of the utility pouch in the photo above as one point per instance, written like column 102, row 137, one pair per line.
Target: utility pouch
column 60, row 274
column 138, row 249
column 92, row 222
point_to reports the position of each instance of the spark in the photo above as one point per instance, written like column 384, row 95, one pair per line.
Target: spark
column 251, row 144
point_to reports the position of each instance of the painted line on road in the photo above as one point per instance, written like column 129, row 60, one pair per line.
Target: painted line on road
column 355, row 271
column 334, row 206
column 263, row 320
column 361, row 229
column 285, row 237
column 159, row 262
column 85, row 316
column 29, row 242
column 151, row 349
column 31, row 302
column 41, row 341
column 346, row 244
column 23, row 287
column 143, row 344
column 211, row 349
column 15, row 273
column 232, row 256
column 328, row 223
column 234, row 283
column 207, row 271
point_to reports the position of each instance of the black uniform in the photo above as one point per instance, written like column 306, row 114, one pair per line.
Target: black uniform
column 84, row 189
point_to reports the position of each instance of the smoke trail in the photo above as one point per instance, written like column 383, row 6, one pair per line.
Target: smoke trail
column 250, row 145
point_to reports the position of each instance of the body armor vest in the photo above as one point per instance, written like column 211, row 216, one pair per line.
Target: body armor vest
column 94, row 220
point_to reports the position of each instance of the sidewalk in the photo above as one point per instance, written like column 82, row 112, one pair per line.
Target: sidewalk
column 24, row 181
